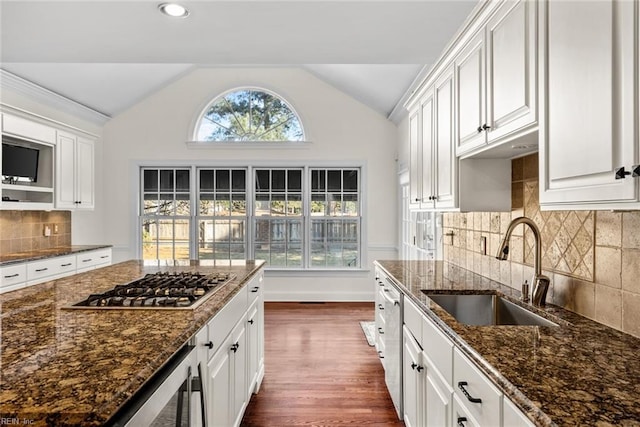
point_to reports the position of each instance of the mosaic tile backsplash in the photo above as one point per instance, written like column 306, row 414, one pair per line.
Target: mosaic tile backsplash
column 592, row 257
column 23, row 231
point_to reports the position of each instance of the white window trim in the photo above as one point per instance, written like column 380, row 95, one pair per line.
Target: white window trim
column 198, row 120
column 135, row 212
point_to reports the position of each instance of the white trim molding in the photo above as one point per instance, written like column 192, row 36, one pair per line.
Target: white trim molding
column 52, row 99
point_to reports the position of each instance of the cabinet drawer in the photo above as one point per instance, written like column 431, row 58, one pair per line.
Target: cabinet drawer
column 40, row 270
column 413, row 319
column 255, row 288
column 66, row 265
column 466, row 376
column 89, row 260
column 224, row 321
column 13, row 277
column 462, row 416
column 439, row 349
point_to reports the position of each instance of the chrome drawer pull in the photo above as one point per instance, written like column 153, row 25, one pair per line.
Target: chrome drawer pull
column 461, row 386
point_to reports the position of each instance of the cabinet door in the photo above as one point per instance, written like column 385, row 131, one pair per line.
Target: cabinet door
column 85, row 173
column 588, row 129
column 470, row 95
column 65, row 171
column 427, row 144
column 512, row 416
column 511, row 69
column 412, row 381
column 415, row 160
column 438, row 399
column 446, row 163
column 253, row 343
column 239, row 372
column 218, row 389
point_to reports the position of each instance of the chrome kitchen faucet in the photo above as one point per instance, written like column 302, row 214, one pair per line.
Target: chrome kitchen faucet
column 540, row 281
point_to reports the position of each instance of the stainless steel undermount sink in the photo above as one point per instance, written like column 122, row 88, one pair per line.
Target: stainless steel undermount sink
column 487, row 310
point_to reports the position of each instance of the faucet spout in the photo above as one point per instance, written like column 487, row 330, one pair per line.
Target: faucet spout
column 540, row 281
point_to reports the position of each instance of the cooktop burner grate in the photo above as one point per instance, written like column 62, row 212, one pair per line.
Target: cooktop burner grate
column 165, row 290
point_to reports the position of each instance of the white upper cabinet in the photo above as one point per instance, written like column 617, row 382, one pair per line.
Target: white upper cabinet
column 470, row 78
column 445, row 162
column 588, row 54
column 74, row 172
column 31, row 130
column 511, row 71
column 415, row 160
column 496, row 82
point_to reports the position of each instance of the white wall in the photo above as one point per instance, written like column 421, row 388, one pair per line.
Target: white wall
column 340, row 129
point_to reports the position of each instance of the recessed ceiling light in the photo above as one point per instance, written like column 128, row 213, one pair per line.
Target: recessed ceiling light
column 174, row 10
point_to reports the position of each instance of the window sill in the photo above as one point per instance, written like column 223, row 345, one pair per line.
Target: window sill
column 243, row 144
column 314, row 272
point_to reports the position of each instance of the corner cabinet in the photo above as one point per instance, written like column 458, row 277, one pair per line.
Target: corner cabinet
column 74, row 172
column 589, row 142
column 442, row 181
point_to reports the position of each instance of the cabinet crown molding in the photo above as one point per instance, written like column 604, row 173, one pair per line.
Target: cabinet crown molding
column 47, row 97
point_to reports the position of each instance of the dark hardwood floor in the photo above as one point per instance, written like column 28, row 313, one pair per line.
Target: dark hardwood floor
column 319, row 369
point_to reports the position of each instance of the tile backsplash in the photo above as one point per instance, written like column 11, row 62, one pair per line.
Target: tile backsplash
column 23, row 231
column 592, row 257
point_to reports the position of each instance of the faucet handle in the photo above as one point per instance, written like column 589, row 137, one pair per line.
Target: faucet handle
column 540, row 288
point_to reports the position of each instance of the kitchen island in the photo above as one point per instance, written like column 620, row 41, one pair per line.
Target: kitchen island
column 77, row 367
column 578, row 373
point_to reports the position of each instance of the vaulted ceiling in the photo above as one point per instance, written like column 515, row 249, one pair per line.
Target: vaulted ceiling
column 108, row 55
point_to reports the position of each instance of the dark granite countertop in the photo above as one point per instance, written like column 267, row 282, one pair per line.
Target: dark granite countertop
column 580, row 373
column 61, row 367
column 38, row 254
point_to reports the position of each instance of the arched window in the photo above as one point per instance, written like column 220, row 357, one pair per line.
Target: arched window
column 249, row 115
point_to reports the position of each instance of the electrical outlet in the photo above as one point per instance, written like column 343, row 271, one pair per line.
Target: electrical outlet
column 47, row 231
column 483, row 245
column 55, row 228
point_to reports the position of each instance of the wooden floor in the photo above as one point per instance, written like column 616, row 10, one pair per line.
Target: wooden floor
column 319, row 369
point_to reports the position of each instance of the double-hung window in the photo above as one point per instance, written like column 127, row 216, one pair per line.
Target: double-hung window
column 303, row 217
column 222, row 213
column 166, row 213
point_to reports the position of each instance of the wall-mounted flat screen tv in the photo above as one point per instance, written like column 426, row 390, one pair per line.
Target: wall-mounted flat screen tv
column 20, row 162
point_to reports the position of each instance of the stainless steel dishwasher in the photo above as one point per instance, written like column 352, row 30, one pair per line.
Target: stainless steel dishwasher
column 393, row 343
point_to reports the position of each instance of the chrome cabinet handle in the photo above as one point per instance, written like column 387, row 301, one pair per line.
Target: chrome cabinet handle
column 461, row 386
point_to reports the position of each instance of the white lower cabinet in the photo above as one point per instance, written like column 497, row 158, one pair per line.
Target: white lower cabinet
column 413, row 386
column 232, row 346
column 17, row 276
column 442, row 387
column 438, row 396
column 217, row 389
column 479, row 397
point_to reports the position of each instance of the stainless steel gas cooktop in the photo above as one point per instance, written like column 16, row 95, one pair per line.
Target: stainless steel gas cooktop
column 175, row 290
